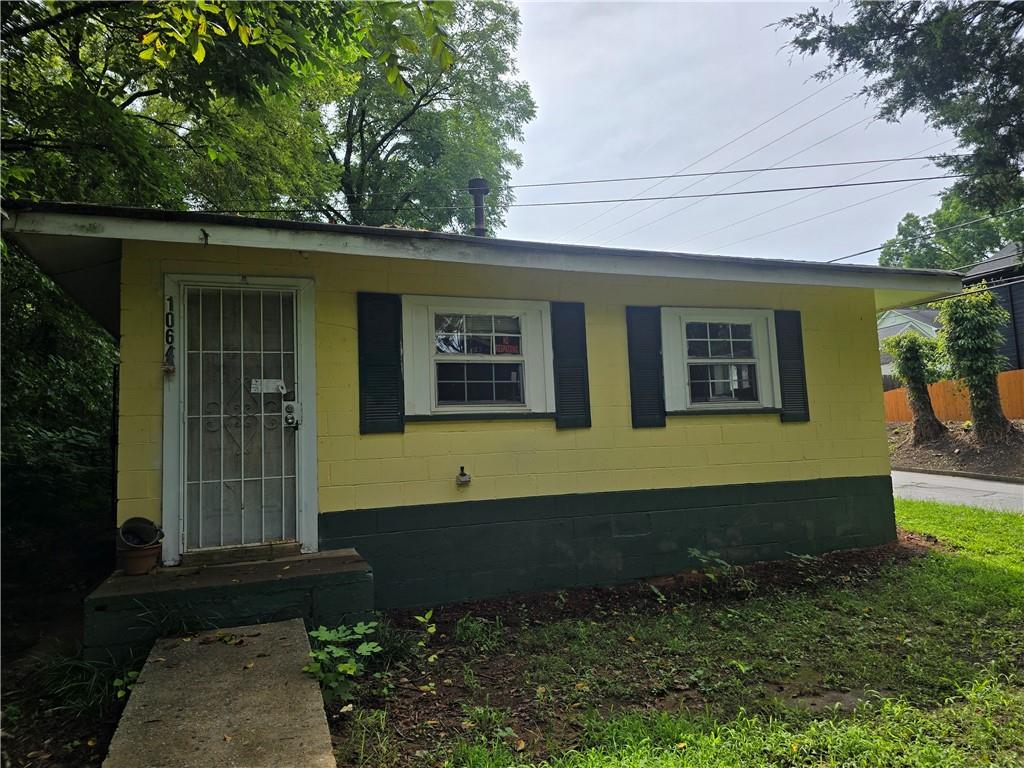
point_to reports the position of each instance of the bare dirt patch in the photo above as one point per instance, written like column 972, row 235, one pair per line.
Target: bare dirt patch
column 959, row 451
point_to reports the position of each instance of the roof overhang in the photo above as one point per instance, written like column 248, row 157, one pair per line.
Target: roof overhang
column 79, row 245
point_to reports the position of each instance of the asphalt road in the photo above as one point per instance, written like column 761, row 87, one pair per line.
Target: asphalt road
column 950, row 489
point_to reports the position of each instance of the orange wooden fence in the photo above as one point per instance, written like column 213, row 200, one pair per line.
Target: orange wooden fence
column 950, row 399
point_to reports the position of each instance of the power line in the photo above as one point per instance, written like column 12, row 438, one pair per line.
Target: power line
column 601, row 202
column 713, row 152
column 826, row 213
column 1005, row 283
column 732, row 194
column 933, row 233
column 740, row 181
column 728, row 165
column 727, row 173
column 795, row 200
column 887, row 161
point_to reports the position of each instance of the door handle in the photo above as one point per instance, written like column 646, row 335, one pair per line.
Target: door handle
column 292, row 414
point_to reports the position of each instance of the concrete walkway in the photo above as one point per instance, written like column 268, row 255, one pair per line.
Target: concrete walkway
column 232, row 698
column 950, row 489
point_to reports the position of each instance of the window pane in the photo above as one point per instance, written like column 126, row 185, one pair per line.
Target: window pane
column 743, row 349
column 449, row 323
column 450, row 344
column 480, row 392
column 451, row 372
column 700, row 392
column 508, row 345
column 696, row 330
column 479, row 372
column 697, row 349
column 718, row 330
column 479, row 324
column 479, row 345
column 451, row 393
column 506, row 372
column 508, row 393
column 741, row 331
column 700, row 372
column 504, row 324
column 721, row 349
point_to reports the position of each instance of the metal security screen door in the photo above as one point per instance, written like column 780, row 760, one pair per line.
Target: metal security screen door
column 241, row 415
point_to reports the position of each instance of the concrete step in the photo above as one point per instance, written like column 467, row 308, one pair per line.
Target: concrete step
column 235, row 698
column 125, row 614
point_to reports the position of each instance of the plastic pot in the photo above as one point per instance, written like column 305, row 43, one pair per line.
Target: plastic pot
column 139, row 545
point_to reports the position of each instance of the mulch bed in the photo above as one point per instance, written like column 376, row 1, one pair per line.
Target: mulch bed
column 419, row 715
column 958, row 451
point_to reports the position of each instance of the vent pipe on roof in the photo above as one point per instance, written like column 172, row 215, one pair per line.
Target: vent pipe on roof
column 478, row 188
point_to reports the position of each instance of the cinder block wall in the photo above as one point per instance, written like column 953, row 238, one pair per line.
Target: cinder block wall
column 509, row 459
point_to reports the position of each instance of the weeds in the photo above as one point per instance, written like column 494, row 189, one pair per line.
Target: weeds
column 339, row 657
column 482, row 635
column 83, row 688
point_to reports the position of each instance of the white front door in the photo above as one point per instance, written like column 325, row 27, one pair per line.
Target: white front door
column 244, row 394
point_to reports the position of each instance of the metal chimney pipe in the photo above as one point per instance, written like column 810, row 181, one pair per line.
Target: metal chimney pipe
column 478, row 188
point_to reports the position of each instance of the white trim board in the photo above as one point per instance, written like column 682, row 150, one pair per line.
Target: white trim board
column 893, row 287
column 172, row 502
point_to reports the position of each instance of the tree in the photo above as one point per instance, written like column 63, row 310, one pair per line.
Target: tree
column 409, row 163
column 971, row 337
column 915, row 364
column 960, row 63
column 57, row 379
column 915, row 247
column 115, row 102
column 373, row 154
column 85, row 84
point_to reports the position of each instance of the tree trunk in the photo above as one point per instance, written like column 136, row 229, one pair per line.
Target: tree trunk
column 990, row 424
column 927, row 426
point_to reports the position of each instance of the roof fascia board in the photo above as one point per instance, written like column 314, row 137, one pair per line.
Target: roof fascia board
column 501, row 254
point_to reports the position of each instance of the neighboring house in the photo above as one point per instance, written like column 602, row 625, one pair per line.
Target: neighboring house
column 1005, row 272
column 479, row 416
column 896, row 321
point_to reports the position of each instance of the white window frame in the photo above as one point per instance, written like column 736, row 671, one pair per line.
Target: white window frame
column 418, row 358
column 173, row 480
column 675, row 358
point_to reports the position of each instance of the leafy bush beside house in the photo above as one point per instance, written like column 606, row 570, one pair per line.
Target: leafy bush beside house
column 915, row 361
column 972, row 337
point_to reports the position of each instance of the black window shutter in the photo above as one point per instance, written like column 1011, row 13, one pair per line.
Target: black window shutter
column 572, row 380
column 646, row 378
column 381, row 388
column 792, row 374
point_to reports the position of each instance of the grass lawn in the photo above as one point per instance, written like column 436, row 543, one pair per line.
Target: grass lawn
column 911, row 656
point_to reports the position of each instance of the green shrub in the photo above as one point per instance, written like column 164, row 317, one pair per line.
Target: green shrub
column 915, row 362
column 972, row 337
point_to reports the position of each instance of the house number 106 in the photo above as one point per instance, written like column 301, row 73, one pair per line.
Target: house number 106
column 168, row 364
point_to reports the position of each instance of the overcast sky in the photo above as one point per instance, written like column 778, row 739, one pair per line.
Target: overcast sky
column 637, row 89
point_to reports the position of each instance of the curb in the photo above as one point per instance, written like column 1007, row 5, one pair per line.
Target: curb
column 955, row 473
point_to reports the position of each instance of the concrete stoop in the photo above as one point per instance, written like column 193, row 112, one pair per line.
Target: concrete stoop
column 234, row 698
column 126, row 614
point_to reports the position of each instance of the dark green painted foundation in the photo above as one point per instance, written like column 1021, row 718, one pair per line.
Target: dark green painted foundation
column 438, row 553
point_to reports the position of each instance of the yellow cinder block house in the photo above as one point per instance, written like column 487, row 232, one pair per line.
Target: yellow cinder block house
column 478, row 416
